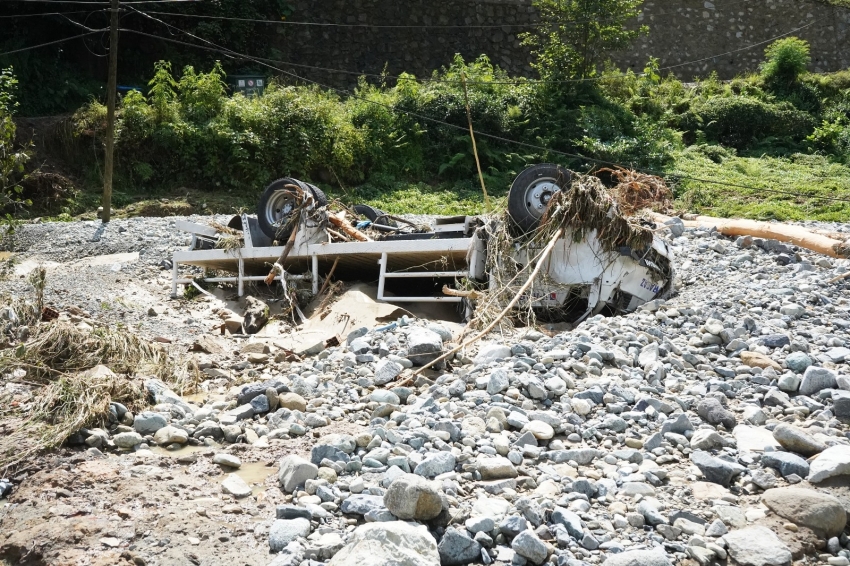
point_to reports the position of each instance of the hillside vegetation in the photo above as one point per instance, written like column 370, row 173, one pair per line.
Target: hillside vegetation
column 406, row 147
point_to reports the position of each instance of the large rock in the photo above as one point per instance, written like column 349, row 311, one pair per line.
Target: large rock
column 413, row 497
column 394, row 543
column 256, row 315
column 457, row 548
column 834, row 461
column 161, row 394
column 820, row 512
column 423, row 346
column 787, row 463
column 294, row 471
column 127, row 440
column 656, row 557
column 235, row 486
column 386, row 371
column 797, row 440
column 498, row 381
column 757, row 546
column 714, row 469
column 361, row 504
column 292, row 401
column 436, row 464
column 713, row 412
column 530, row 547
column 492, row 352
column 170, row 435
column 284, row 531
column 815, row 379
column 496, row 468
column 149, row 422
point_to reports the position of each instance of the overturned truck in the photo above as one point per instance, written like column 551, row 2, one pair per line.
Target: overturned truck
column 600, row 262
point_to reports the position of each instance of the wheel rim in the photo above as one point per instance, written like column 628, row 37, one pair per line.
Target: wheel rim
column 280, row 207
column 538, row 194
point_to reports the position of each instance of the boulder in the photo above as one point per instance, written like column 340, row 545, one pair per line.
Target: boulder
column 834, row 461
column 757, row 546
column 818, row 511
column 714, row 469
column 655, row 557
column 294, row 471
column 394, row 543
column 412, row 497
column 256, row 315
column 815, row 379
column 423, row 346
column 797, row 440
column 457, row 548
column 284, row 531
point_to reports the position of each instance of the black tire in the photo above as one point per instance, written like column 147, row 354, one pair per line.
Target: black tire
column 374, row 214
column 278, row 202
column 531, row 192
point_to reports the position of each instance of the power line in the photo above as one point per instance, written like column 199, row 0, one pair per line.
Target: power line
column 813, row 22
column 45, row 14
column 51, row 43
column 674, row 177
column 330, row 24
column 514, row 81
column 102, row 3
column 397, row 26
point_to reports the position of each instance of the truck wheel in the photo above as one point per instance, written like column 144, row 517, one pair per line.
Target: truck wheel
column 277, row 204
column 374, row 214
column 531, row 192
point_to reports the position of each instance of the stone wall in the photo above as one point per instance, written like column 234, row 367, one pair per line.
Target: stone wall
column 689, row 30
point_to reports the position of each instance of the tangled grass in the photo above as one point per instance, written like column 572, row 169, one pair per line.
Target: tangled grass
column 75, row 374
column 587, row 209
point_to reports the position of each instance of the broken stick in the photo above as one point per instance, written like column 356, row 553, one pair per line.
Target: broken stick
column 474, row 295
column 278, row 265
column 338, row 220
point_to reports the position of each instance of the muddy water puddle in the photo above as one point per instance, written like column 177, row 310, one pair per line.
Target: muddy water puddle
column 253, row 473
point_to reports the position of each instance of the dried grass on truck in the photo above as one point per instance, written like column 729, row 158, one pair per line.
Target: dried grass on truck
column 636, row 191
column 588, row 207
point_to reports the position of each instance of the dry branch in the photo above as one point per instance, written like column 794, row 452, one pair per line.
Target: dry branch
column 338, row 220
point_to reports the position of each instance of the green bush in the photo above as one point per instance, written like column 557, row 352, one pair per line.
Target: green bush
column 739, row 122
column 786, row 60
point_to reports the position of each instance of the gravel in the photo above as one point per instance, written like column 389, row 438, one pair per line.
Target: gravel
column 641, row 440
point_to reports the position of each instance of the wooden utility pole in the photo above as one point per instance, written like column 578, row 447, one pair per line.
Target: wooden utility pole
column 474, row 147
column 112, row 93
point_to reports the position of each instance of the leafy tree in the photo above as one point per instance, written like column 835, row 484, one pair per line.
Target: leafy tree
column 12, row 157
column 576, row 36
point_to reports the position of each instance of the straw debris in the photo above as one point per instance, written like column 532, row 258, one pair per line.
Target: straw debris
column 636, row 191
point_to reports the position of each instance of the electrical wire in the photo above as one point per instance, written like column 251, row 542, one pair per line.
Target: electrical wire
column 106, row 3
column 674, row 177
column 52, row 42
column 395, row 26
column 515, row 81
column 4, row 16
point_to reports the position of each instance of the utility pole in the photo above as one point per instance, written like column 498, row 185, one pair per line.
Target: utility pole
column 111, row 95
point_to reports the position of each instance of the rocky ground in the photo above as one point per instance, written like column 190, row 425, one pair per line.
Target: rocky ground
column 706, row 428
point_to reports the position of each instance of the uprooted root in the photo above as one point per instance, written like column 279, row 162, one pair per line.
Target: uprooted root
column 635, row 191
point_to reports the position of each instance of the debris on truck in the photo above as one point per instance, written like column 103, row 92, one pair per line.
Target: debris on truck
column 602, row 261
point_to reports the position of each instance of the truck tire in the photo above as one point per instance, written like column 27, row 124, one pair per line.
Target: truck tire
column 373, row 214
column 531, row 192
column 277, row 204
